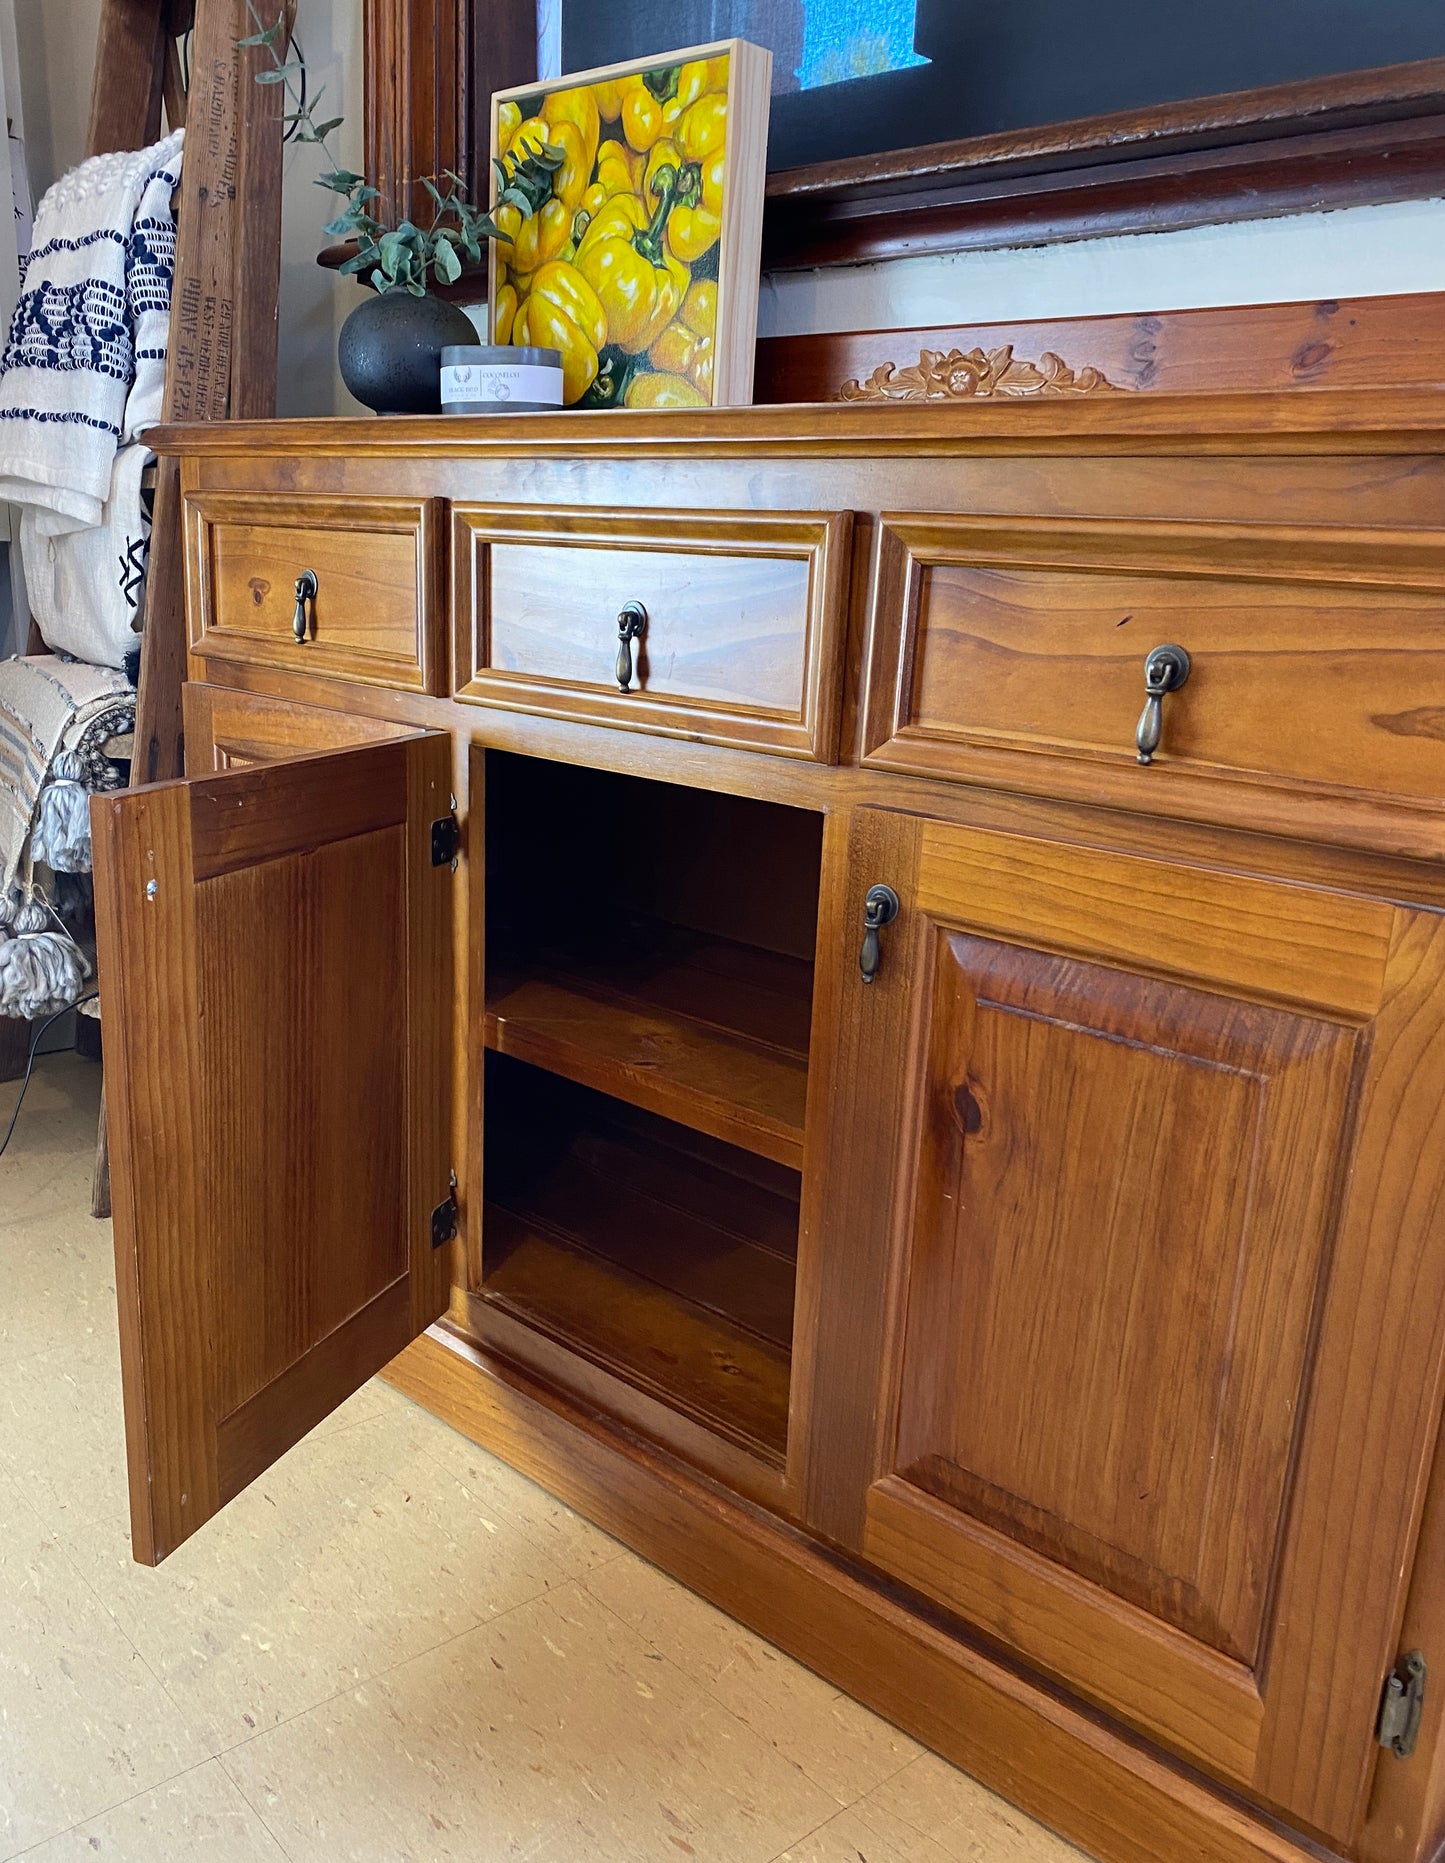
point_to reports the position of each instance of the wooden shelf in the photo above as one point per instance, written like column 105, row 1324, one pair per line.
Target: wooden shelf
column 703, row 1030
column 640, row 1249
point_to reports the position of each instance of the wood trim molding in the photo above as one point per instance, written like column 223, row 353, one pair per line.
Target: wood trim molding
column 1360, row 138
column 1245, row 421
column 1360, row 343
column 431, row 67
column 417, row 56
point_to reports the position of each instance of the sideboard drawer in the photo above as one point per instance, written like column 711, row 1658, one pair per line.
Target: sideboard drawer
column 1316, row 678
column 742, row 620
column 372, row 616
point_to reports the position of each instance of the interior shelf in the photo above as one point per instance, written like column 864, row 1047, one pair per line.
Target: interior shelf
column 701, row 1029
column 648, row 997
column 665, row 1257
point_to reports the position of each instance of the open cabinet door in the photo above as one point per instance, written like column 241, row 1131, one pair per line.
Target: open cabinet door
column 275, row 956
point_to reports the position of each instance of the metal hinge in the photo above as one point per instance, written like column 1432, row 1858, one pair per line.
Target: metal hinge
column 446, row 840
column 1400, row 1707
column 444, row 1218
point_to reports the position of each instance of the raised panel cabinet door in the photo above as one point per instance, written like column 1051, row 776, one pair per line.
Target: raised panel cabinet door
column 274, row 953
column 1160, row 1327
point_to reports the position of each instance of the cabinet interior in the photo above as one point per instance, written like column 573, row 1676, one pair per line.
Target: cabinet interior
column 649, row 983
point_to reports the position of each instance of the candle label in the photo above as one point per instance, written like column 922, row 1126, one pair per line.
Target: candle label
column 501, row 381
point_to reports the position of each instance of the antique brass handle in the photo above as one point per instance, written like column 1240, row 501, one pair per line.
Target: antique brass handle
column 303, row 622
column 631, row 624
column 880, row 908
column 1165, row 670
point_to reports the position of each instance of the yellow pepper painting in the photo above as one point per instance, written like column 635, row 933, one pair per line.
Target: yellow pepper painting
column 622, row 246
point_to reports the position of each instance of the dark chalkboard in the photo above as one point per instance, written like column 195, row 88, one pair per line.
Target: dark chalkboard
column 939, row 70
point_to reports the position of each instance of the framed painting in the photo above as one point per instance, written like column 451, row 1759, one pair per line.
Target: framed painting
column 631, row 197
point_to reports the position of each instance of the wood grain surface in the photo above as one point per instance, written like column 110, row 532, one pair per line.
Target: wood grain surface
column 372, row 620
column 743, row 620
column 1365, row 343
column 1119, row 1229
column 276, row 1125
column 1113, row 1347
column 1310, row 651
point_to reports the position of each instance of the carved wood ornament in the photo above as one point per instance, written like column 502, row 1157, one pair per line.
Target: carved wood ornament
column 976, row 375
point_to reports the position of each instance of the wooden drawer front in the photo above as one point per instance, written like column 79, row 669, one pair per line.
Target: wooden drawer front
column 1013, row 652
column 745, row 620
column 373, row 618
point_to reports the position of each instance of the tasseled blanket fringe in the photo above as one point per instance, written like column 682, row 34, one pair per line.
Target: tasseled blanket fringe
column 41, row 969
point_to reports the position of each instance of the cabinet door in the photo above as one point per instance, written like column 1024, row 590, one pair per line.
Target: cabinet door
column 274, row 948
column 1161, row 1331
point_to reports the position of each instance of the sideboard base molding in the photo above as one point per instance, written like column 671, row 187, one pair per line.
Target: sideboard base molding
column 1121, row 1802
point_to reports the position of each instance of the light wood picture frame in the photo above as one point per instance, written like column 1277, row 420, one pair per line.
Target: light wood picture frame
column 640, row 259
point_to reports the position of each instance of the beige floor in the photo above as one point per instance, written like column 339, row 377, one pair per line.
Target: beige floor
column 391, row 1649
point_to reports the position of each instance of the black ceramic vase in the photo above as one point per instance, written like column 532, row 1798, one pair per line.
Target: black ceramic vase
column 390, row 350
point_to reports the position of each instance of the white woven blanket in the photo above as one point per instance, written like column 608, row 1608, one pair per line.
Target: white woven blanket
column 43, row 701
column 85, row 363
column 85, row 587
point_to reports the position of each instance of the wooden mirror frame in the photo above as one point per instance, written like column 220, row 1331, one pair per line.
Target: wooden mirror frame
column 1361, row 138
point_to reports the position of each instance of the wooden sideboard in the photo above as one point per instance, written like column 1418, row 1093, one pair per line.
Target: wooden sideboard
column 1042, row 1336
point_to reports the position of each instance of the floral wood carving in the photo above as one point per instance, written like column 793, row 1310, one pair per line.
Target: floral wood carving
column 976, row 376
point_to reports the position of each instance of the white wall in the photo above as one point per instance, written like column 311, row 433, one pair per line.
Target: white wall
column 57, row 57
column 1355, row 252
column 315, row 302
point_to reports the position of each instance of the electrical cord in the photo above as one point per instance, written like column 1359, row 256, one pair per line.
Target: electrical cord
column 35, row 1042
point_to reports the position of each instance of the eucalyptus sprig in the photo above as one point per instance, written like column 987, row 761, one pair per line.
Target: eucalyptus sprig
column 400, row 257
column 524, row 179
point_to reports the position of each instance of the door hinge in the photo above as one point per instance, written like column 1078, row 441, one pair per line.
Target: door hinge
column 444, row 1217
column 446, row 840
column 1400, row 1706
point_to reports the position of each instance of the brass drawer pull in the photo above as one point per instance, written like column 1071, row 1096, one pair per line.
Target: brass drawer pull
column 1165, row 670
column 631, row 624
column 880, row 908
column 303, row 622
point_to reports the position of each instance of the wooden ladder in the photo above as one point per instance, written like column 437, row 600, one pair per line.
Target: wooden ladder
column 222, row 358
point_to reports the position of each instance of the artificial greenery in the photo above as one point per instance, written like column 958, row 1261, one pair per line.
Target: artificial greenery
column 395, row 258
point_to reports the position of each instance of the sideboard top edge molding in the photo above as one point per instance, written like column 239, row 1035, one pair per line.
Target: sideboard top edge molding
column 1338, row 419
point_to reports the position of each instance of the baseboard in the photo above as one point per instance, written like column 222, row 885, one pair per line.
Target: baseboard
column 1081, row 1777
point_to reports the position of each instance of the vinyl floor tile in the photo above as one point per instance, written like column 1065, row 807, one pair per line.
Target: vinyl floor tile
column 861, row 1835
column 345, row 1559
column 553, row 1526
column 57, row 1286
column 969, row 1823
column 49, row 1163
column 84, row 1724
column 835, row 1741
column 555, row 1734
column 62, row 1433
column 198, row 1818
